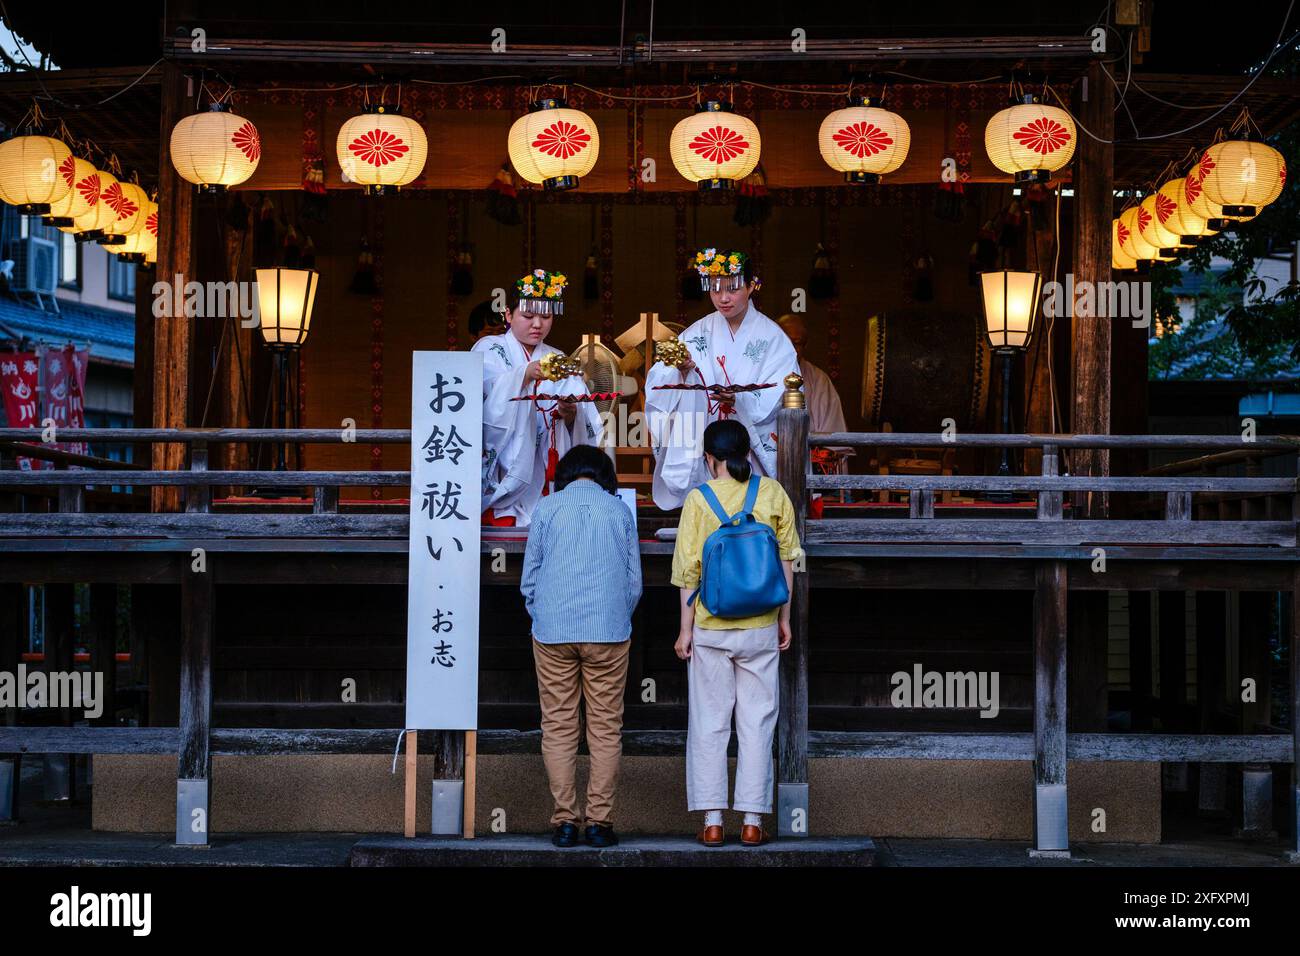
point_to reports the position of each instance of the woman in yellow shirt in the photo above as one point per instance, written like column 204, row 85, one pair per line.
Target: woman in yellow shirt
column 733, row 664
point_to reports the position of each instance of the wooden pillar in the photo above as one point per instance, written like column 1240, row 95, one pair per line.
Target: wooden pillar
column 793, row 464
column 1257, row 616
column 193, row 772
column 103, row 647
column 1093, row 206
column 171, row 338
column 13, row 634
column 1139, row 660
column 1172, row 617
column 60, row 636
column 1051, row 821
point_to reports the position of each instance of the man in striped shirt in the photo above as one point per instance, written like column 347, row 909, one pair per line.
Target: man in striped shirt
column 581, row 581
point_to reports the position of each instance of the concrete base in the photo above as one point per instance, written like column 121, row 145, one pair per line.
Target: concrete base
column 938, row 799
column 632, row 851
column 1049, row 854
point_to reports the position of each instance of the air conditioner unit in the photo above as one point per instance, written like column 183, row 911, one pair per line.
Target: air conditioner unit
column 36, row 266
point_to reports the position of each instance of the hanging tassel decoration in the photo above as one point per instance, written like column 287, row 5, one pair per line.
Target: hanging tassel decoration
column 462, row 276
column 292, row 255
column 923, row 283
column 503, row 200
column 753, row 204
column 821, row 284
column 363, row 280
column 265, row 248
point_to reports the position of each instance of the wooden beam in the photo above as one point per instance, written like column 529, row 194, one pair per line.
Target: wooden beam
column 792, row 723
column 171, row 339
column 1051, row 824
column 1094, row 168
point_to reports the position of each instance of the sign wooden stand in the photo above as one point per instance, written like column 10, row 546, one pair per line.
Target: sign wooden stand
column 471, row 782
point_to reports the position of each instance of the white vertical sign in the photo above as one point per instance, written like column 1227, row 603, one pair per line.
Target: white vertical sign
column 443, row 591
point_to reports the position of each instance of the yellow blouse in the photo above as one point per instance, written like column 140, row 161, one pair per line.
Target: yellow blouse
column 772, row 507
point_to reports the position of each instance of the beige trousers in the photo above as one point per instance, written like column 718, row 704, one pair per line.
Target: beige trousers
column 597, row 674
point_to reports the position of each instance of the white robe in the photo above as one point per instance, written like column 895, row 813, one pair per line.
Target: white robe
column 759, row 352
column 515, row 438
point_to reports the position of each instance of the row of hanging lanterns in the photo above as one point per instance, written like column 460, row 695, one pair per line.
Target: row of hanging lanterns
column 40, row 176
column 1232, row 181
column 554, row 146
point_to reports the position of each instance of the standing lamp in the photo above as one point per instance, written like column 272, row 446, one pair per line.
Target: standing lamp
column 285, row 298
column 1010, row 308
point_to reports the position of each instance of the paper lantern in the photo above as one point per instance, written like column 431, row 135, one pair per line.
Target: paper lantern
column 1200, row 204
column 1119, row 259
column 1243, row 176
column 84, row 179
column 215, row 150
column 715, row 147
column 864, row 142
column 1176, row 215
column 285, row 298
column 29, row 173
column 1030, row 140
column 1131, row 241
column 1153, row 231
column 134, row 246
column 553, row 146
column 382, row 150
column 93, row 223
column 130, row 204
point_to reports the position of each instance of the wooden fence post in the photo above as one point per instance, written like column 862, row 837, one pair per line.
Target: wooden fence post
column 1051, row 821
column 194, row 764
column 793, row 464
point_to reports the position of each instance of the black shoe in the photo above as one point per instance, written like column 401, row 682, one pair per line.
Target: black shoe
column 566, row 834
column 599, row 834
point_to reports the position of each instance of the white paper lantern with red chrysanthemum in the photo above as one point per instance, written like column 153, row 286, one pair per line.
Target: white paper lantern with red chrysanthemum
column 382, row 150
column 93, row 223
column 1119, row 259
column 215, row 150
column 1243, row 176
column 134, row 246
column 553, row 146
column 130, row 204
column 864, row 142
column 29, row 173
column 1153, row 230
column 1146, row 241
column 1200, row 204
column 82, row 176
column 716, row 147
column 1131, row 241
column 1030, row 140
column 1177, row 216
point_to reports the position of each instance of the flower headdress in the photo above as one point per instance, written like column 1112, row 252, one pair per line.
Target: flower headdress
column 722, row 269
column 543, row 291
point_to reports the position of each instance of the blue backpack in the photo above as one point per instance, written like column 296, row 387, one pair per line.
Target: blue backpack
column 740, row 570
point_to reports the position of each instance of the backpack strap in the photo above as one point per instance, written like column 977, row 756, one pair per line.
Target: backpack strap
column 714, row 503
column 751, row 497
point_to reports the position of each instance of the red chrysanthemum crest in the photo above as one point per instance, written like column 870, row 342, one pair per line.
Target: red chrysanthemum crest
column 118, row 201
column 89, row 188
column 1165, row 207
column 151, row 223
column 562, row 139
column 68, row 169
column 1192, row 189
column 862, row 139
column 1205, row 165
column 247, row 140
column 719, row 144
column 378, row 147
column 1121, row 233
column 1044, row 135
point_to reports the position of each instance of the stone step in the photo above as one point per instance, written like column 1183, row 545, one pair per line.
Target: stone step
column 636, row 850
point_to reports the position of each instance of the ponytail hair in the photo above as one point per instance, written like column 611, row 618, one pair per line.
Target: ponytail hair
column 728, row 441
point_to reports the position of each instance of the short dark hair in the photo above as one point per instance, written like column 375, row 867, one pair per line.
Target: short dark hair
column 586, row 461
column 484, row 316
column 727, row 440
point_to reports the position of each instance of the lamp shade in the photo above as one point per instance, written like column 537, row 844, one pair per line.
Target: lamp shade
column 715, row 147
column 1030, row 140
column 1010, row 307
column 1242, row 176
column 382, row 150
column 1119, row 259
column 92, row 223
column 553, row 146
column 136, row 244
column 284, row 299
column 1176, row 214
column 1199, row 203
column 1131, row 240
column 84, row 180
column 864, row 142
column 1148, row 221
column 215, row 150
column 130, row 203
column 30, row 176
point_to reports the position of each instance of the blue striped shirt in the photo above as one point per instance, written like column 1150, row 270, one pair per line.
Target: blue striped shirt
column 582, row 567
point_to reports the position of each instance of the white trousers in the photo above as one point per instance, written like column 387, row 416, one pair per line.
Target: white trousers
column 732, row 671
